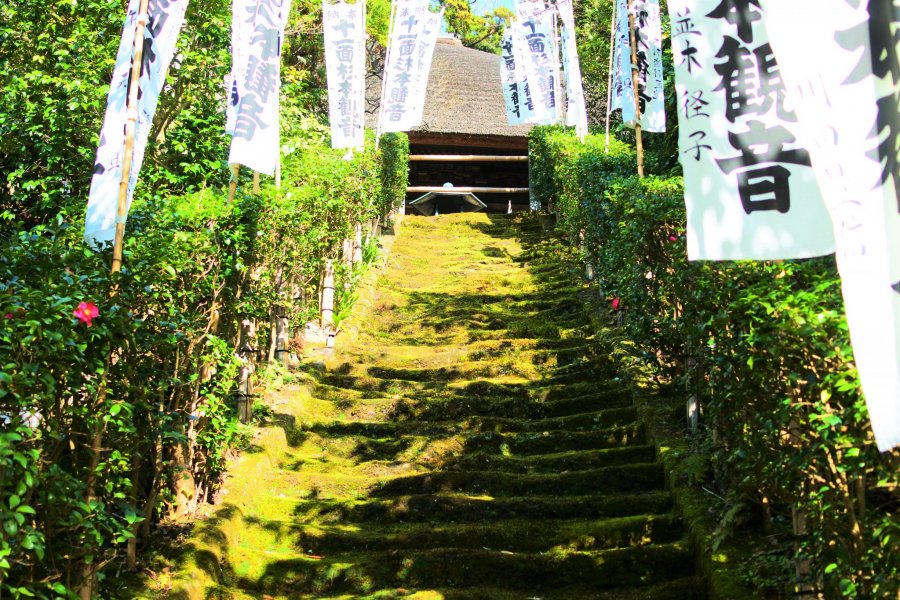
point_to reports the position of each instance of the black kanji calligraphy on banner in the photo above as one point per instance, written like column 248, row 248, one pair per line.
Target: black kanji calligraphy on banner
column 749, row 189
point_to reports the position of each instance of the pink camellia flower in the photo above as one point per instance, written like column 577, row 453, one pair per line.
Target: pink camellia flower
column 672, row 238
column 86, row 312
column 8, row 316
column 615, row 303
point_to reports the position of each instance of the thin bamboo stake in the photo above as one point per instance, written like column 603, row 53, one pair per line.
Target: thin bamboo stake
column 86, row 591
column 609, row 78
column 256, row 182
column 232, row 186
column 639, row 142
column 130, row 124
column 561, row 107
column 387, row 61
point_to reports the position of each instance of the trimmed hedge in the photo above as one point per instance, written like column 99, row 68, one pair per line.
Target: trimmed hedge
column 765, row 346
column 150, row 381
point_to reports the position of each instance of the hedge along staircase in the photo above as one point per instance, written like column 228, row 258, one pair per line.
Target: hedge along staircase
column 469, row 440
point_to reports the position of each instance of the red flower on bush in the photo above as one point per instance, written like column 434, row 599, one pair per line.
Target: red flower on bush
column 86, row 312
column 672, row 238
column 8, row 316
column 615, row 303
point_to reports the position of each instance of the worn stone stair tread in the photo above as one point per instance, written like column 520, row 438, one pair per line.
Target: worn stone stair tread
column 558, row 462
column 458, row 567
column 360, row 446
column 685, row 588
column 468, row 508
column 442, row 408
column 596, row 420
column 606, row 480
column 516, row 535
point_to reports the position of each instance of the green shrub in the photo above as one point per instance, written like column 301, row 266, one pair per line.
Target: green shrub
column 154, row 373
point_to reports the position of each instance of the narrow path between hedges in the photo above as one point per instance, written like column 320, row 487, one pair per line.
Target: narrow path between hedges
column 469, row 441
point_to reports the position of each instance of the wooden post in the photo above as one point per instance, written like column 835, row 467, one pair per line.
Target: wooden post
column 328, row 298
column 637, row 99
column 609, row 79
column 357, row 244
column 256, row 182
column 232, row 186
column 246, row 351
column 282, row 333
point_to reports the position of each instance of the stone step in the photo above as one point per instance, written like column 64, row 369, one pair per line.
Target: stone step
column 353, row 573
column 607, row 480
column 461, row 508
column 589, row 421
column 547, row 535
column 464, row 406
column 390, row 443
column 562, row 462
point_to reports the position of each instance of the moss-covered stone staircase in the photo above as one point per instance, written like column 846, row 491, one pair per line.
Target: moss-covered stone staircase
column 469, row 440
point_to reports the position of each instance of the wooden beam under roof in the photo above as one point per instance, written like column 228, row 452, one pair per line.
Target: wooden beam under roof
column 424, row 189
column 466, row 158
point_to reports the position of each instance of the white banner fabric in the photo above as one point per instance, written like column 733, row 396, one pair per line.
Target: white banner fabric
column 623, row 88
column 403, row 77
column 749, row 188
column 165, row 18
column 576, row 111
column 431, row 27
column 345, row 62
column 842, row 77
column 519, row 107
column 243, row 14
column 648, row 33
column 256, row 138
column 534, row 40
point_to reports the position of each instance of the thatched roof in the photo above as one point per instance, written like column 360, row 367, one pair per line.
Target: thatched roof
column 464, row 94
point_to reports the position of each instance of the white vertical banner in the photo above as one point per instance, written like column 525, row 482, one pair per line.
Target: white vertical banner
column 519, row 108
column 345, row 64
column 842, row 77
column 623, row 88
column 243, row 14
column 749, row 188
column 431, row 27
column 256, row 139
column 648, row 34
column 576, row 111
column 404, row 78
column 164, row 21
column 534, row 39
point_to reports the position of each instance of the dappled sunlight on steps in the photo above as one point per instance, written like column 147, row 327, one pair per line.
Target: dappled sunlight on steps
column 469, row 440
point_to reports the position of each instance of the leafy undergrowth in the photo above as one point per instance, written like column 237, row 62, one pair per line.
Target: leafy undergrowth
column 470, row 439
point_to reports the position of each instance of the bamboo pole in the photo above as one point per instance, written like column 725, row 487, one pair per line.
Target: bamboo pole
column 130, row 125
column 558, row 88
column 86, row 590
column 232, row 185
column 256, row 182
column 639, row 142
column 609, row 78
